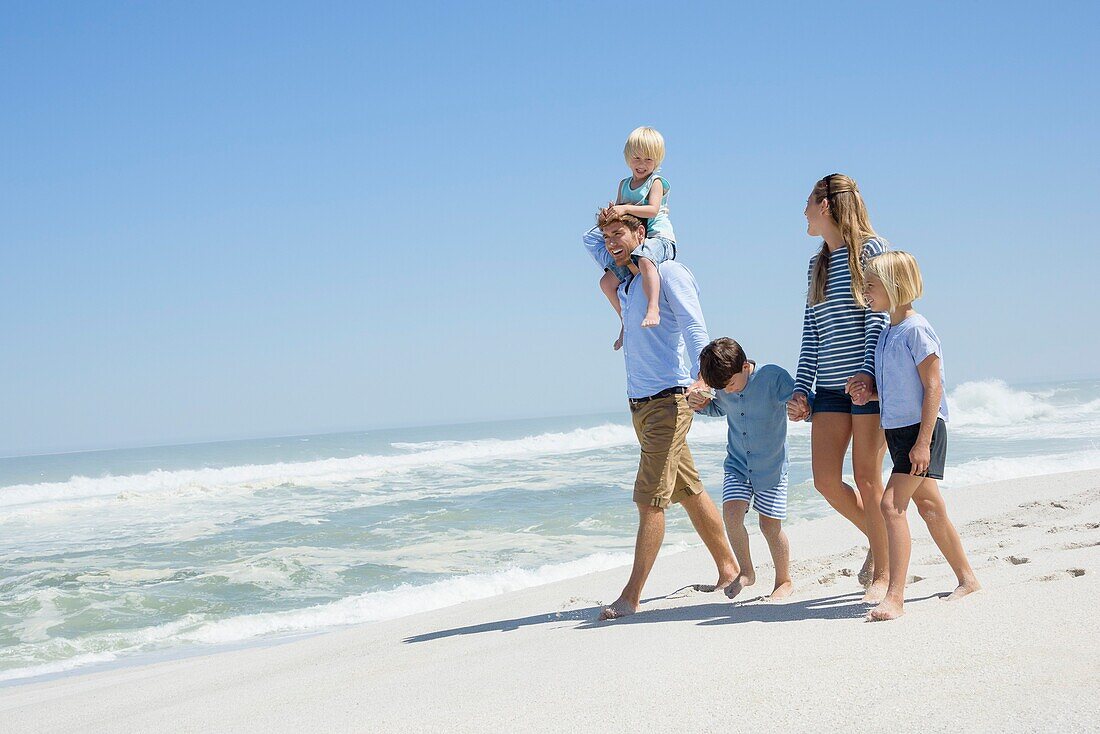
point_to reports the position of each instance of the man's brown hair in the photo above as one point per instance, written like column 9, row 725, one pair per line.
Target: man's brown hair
column 607, row 216
column 720, row 361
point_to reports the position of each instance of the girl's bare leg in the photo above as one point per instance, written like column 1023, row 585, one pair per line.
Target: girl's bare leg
column 868, row 450
column 609, row 284
column 829, row 437
column 895, row 501
column 933, row 510
column 651, row 286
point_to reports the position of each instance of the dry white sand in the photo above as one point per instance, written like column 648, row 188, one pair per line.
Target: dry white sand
column 1022, row 655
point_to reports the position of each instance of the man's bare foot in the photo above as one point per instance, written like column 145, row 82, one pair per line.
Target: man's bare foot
column 888, row 609
column 652, row 318
column 739, row 584
column 621, row 608
column 967, row 587
column 867, row 573
column 876, row 592
column 781, row 591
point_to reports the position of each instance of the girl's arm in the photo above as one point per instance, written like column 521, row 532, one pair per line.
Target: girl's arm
column 921, row 453
column 652, row 206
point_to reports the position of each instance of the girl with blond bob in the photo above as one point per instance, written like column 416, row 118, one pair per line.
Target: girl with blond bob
column 839, row 334
column 909, row 377
column 643, row 194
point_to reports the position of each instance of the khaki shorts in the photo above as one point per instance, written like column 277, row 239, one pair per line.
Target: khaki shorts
column 666, row 472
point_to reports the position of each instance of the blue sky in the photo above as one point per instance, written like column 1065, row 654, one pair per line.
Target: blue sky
column 246, row 219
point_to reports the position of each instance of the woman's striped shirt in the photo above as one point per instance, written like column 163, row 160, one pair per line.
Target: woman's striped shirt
column 838, row 335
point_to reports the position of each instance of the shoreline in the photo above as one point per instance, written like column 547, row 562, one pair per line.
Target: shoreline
column 535, row 659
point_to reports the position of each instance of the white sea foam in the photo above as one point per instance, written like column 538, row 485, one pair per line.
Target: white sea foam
column 980, row 471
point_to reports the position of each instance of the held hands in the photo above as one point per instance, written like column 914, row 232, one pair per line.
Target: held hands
column 798, row 407
column 920, row 456
column 698, row 395
column 861, row 388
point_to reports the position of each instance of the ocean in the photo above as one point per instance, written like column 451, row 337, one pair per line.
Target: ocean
column 114, row 556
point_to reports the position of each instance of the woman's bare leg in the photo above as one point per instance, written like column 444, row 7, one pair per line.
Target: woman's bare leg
column 868, row 450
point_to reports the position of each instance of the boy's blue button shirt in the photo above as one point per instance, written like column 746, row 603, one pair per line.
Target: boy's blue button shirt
column 654, row 357
column 756, row 443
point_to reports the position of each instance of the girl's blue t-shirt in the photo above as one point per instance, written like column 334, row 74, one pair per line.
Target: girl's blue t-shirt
column 900, row 349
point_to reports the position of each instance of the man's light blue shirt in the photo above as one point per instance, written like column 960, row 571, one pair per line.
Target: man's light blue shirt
column 756, row 443
column 654, row 356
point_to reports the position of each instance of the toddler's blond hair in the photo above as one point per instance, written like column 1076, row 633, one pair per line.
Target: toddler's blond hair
column 646, row 142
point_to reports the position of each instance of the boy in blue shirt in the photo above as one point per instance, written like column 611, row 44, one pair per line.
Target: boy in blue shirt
column 754, row 401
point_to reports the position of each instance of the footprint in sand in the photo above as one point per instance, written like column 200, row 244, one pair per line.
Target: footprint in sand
column 827, row 578
column 1069, row 573
column 1082, row 544
column 1018, row 560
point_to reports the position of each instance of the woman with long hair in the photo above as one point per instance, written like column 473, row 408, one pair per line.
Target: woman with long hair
column 839, row 335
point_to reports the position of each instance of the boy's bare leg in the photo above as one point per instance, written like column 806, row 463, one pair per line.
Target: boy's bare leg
column 868, row 450
column 772, row 530
column 895, row 501
column 609, row 284
column 651, row 533
column 733, row 513
column 933, row 510
column 651, row 286
column 704, row 517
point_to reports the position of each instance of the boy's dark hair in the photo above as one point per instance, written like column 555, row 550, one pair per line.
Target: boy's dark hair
column 720, row 361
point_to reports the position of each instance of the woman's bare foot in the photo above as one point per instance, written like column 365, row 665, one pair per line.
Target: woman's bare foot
column 621, row 608
column 781, row 591
column 876, row 592
column 888, row 609
column 652, row 318
column 966, row 587
column 739, row 584
column 867, row 573
column 619, row 341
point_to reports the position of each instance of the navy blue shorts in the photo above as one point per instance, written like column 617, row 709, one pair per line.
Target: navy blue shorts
column 900, row 442
column 838, row 401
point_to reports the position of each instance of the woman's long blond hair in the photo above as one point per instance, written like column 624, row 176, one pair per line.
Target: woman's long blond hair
column 847, row 209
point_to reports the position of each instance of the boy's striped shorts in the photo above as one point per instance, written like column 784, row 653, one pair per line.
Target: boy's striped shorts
column 769, row 502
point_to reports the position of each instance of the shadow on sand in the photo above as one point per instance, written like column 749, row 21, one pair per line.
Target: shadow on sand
column 841, row 606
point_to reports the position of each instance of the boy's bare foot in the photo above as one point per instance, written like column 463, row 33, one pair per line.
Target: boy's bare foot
column 967, row 587
column 739, row 584
column 621, row 608
column 876, row 592
column 781, row 591
column 888, row 609
column 652, row 318
column 867, row 573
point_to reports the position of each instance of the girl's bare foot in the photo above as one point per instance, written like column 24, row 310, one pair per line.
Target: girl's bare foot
column 621, row 608
column 966, row 587
column 876, row 592
column 888, row 609
column 867, row 573
column 781, row 591
column 652, row 318
column 739, row 584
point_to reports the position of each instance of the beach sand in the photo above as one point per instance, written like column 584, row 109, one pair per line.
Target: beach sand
column 1021, row 655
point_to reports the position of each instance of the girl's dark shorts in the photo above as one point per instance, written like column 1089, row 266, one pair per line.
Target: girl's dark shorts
column 900, row 441
column 838, row 401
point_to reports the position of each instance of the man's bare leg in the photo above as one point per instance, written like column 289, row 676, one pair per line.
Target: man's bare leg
column 733, row 513
column 708, row 524
column 651, row 533
column 780, row 548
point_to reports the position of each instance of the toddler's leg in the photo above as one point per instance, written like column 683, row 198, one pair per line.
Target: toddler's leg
column 895, row 501
column 772, row 529
column 651, row 286
column 933, row 510
column 609, row 284
column 733, row 514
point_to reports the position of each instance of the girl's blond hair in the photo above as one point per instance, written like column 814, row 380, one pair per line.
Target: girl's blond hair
column 900, row 276
column 647, row 142
column 847, row 209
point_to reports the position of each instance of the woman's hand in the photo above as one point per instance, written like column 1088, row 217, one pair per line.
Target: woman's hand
column 798, row 407
column 860, row 388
